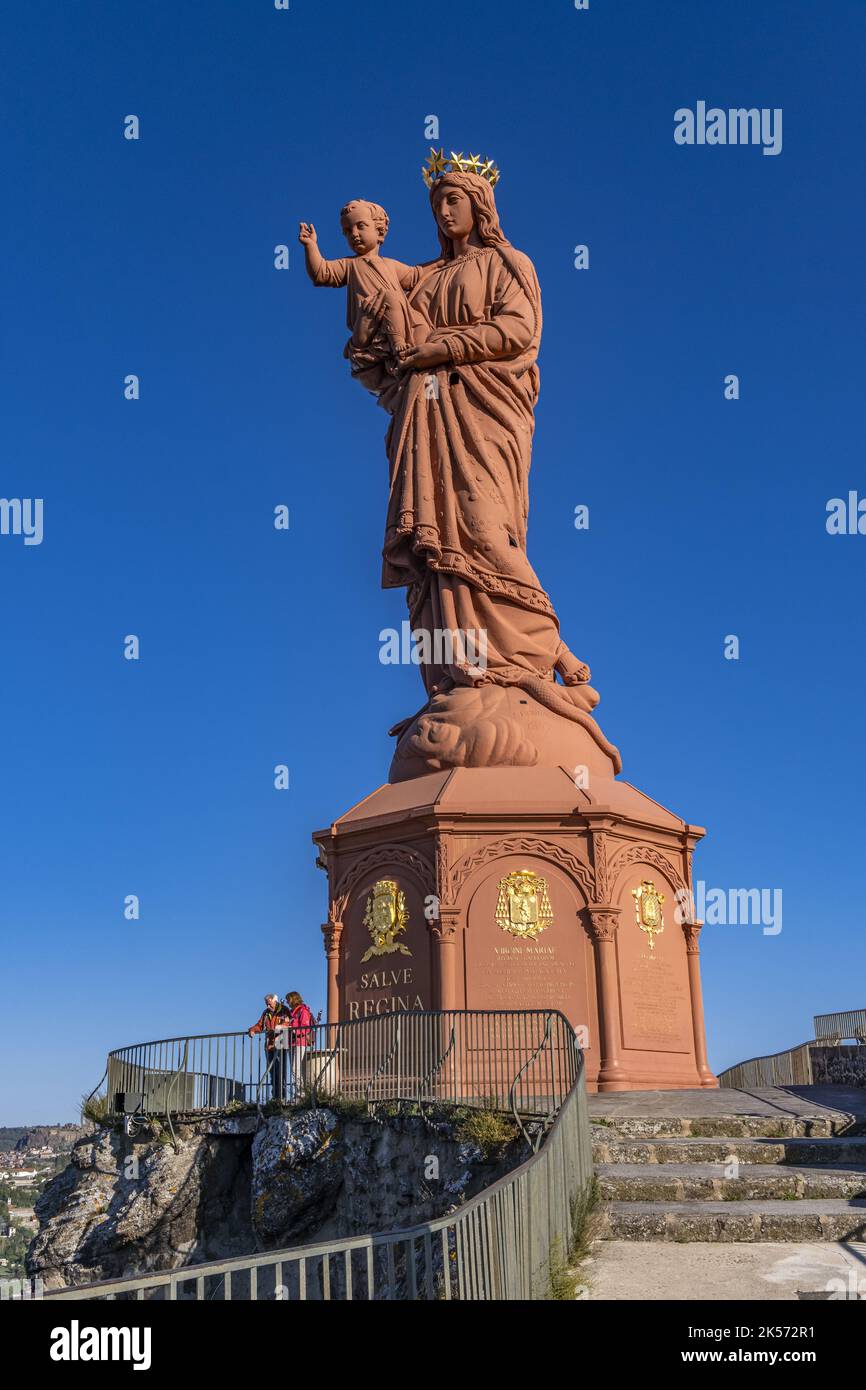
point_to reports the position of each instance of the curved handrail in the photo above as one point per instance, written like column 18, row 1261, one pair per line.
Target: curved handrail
column 425, row 1080
column 330, row 1058
column 183, row 1038
column 392, row 1055
column 346, row 1023
column 511, row 1094
column 380, row 1070
column 489, row 1244
column 88, row 1099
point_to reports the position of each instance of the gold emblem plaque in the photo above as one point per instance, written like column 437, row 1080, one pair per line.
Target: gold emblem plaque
column 385, row 917
column 523, row 906
column 648, row 910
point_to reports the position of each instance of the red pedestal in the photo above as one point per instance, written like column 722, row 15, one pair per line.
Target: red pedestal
column 449, row 841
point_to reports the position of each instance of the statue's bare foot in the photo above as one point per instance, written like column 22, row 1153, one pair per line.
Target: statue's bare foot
column 570, row 670
column 582, row 695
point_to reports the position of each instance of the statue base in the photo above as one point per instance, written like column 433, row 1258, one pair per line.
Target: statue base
column 484, row 726
column 514, row 888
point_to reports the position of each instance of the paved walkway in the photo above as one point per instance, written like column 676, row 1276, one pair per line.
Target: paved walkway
column 834, row 1102
column 655, row 1271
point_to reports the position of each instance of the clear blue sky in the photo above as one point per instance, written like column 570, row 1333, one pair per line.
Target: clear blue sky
column 258, row 647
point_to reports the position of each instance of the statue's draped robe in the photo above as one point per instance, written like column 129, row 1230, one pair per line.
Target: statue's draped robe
column 459, row 446
column 364, row 276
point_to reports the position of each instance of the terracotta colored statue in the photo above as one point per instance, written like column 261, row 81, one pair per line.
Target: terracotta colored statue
column 449, row 348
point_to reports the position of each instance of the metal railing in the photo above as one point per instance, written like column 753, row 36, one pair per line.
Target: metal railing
column 794, row 1066
column 505, row 1243
column 833, row 1028
column 520, row 1061
column 790, row 1068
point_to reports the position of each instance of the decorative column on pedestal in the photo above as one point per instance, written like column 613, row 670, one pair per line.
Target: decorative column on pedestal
column 444, row 933
column 332, row 932
column 604, row 920
column 692, row 931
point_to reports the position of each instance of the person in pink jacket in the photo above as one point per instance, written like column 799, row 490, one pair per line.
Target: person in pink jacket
column 301, row 1026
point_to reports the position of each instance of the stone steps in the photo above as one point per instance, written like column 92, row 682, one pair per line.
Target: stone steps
column 725, row 1126
column 773, row 1164
column 608, row 1147
column 803, row 1220
column 744, row 1182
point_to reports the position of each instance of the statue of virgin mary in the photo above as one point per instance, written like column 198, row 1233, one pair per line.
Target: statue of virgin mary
column 459, row 444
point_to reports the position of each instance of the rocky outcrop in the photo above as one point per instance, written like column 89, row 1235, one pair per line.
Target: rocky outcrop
column 127, row 1206
column 234, row 1184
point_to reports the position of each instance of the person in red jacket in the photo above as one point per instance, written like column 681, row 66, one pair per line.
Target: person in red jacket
column 272, row 1021
column 302, row 1032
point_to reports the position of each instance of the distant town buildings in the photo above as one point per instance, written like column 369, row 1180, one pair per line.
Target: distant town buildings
column 29, row 1158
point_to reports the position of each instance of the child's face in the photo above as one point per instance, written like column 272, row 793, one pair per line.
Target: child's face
column 360, row 231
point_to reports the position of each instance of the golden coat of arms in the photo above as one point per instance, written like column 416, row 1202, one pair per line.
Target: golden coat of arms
column 648, row 910
column 385, row 917
column 523, row 906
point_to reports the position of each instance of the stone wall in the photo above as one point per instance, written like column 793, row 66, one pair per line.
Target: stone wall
column 839, row 1066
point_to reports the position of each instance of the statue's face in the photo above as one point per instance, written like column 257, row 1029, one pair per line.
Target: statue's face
column 454, row 213
column 359, row 229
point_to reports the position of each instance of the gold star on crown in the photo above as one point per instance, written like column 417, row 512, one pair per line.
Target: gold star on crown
column 438, row 164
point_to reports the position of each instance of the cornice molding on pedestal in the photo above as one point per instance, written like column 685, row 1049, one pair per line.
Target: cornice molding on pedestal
column 645, row 854
column 516, row 844
column 386, row 856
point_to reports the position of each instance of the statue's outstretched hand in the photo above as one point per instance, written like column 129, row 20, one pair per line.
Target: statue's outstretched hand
column 307, row 234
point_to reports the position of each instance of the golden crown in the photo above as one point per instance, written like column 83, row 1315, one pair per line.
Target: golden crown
column 438, row 164
column 385, row 885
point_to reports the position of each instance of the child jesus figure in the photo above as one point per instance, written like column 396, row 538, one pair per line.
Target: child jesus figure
column 384, row 325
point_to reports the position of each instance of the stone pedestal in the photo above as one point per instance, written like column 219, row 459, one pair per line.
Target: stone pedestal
column 601, row 940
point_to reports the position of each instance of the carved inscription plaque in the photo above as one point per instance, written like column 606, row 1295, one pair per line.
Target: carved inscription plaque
column 656, row 1010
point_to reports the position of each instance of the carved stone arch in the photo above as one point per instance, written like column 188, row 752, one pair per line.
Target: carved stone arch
column 519, row 844
column 644, row 854
column 383, row 857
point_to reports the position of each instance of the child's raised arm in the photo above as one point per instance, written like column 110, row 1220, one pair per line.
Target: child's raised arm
column 321, row 272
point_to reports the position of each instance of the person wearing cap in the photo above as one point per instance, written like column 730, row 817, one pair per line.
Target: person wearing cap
column 274, row 1018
